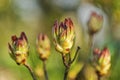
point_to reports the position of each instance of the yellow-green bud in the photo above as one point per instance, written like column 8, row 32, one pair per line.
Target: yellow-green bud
column 95, row 23
column 102, row 59
column 64, row 35
column 19, row 48
column 43, row 46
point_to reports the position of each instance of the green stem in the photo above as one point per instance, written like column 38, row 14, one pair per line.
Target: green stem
column 31, row 71
column 68, row 63
column 45, row 71
column 91, row 41
column 91, row 45
column 78, row 48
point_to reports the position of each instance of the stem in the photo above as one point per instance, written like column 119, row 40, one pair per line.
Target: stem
column 69, row 55
column 78, row 48
column 99, row 76
column 64, row 60
column 31, row 71
column 68, row 63
column 45, row 71
column 66, row 72
column 67, row 66
column 91, row 44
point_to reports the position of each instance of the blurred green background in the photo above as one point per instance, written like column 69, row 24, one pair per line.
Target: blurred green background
column 38, row 16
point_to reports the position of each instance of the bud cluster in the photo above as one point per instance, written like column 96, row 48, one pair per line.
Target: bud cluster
column 64, row 35
column 103, row 60
column 19, row 48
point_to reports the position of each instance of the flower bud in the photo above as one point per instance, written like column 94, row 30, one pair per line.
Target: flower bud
column 103, row 59
column 19, row 48
column 95, row 23
column 43, row 46
column 64, row 35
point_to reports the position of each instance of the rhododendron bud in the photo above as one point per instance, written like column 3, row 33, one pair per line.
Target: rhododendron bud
column 19, row 48
column 103, row 59
column 95, row 23
column 43, row 46
column 64, row 35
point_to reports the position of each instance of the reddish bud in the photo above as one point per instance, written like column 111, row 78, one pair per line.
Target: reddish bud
column 19, row 47
column 64, row 35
